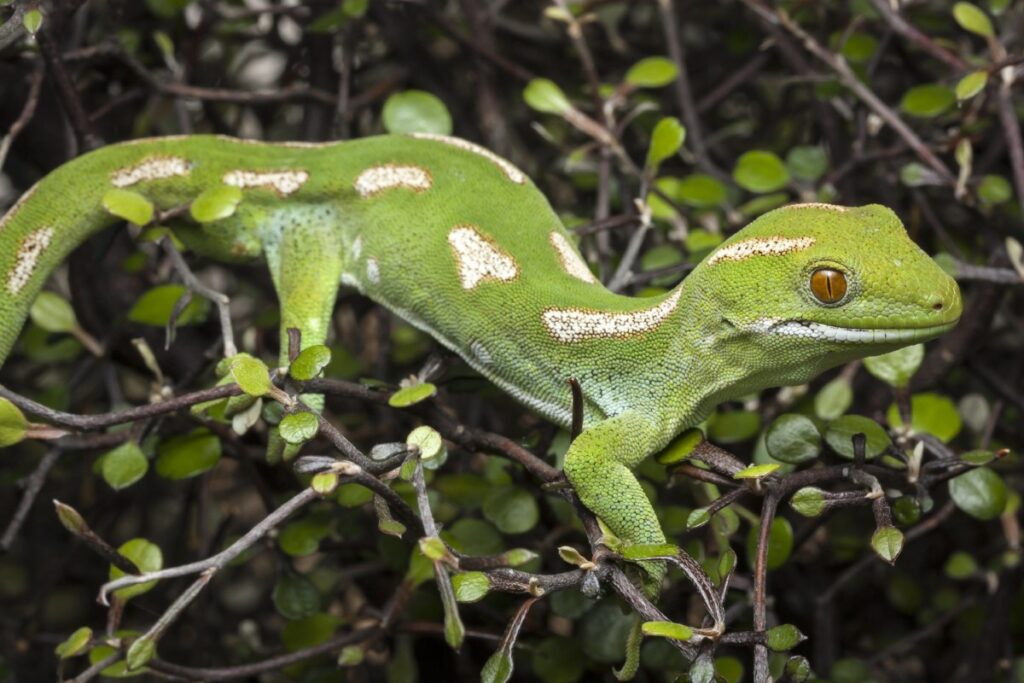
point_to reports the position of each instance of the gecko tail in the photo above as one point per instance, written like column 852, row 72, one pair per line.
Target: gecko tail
column 66, row 207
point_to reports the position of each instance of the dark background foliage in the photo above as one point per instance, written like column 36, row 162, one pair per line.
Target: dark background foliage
column 914, row 105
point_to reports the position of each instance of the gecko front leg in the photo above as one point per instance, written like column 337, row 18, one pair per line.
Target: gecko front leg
column 599, row 464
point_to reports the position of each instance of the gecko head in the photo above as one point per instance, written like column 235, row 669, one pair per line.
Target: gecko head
column 824, row 284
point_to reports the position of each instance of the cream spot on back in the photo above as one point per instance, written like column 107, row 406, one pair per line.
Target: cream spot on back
column 376, row 179
column 573, row 324
column 570, row 259
column 759, row 246
column 510, row 171
column 150, row 168
column 478, row 259
column 32, row 247
column 818, row 205
column 357, row 247
column 283, row 183
column 13, row 211
column 372, row 270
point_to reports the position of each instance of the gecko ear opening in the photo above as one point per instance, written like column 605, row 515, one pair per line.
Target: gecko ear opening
column 828, row 285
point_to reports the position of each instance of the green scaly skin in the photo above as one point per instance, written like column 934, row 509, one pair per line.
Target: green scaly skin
column 745, row 319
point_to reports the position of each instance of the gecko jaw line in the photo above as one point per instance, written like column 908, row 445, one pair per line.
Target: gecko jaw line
column 823, row 332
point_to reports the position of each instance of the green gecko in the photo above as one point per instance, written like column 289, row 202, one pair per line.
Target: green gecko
column 461, row 244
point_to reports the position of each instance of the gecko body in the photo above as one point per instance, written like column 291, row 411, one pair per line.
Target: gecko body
column 461, row 244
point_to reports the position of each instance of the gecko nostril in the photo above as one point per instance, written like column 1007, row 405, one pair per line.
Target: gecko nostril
column 937, row 306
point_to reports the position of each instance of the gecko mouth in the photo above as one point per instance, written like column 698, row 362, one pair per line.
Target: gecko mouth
column 823, row 332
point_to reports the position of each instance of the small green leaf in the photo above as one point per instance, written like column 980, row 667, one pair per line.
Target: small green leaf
column 667, row 629
column 759, row 171
column 295, row 597
column 497, row 668
column 188, row 455
column 427, row 439
column 156, row 306
column 995, row 189
column 32, row 21
column 411, row 395
column 513, row 510
column 973, row 19
column 351, row 655
column 784, row 637
column 734, row 426
column 928, row 100
column 70, row 518
column 757, row 471
column 147, row 557
column 139, row 653
column 53, row 313
column 324, row 483
column 652, row 72
column 306, row 632
column 780, row 542
column 637, row 552
column 518, row 556
column 75, row 644
column 470, row 586
column 416, row 111
column 931, row 414
column 961, row 565
column 216, row 203
column 793, row 439
column 697, row 518
column 834, row 399
column 896, row 367
column 681, row 446
column 123, row 466
column 252, row 375
column 840, row 434
column 433, row 547
column 978, row 457
column 13, row 424
column 300, row 427
column 970, row 85
column 310, row 362
column 906, row 510
column 666, row 139
column 808, row 501
column 887, row 542
column 700, row 191
column 807, row 162
column 980, row 492
column 545, row 96
column 131, row 206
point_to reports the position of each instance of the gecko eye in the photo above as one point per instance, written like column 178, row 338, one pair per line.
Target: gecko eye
column 828, row 285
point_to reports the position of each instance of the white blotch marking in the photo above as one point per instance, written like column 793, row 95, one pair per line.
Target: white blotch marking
column 574, row 324
column 28, row 255
column 376, row 179
column 571, row 261
column 478, row 259
column 372, row 270
column 480, row 353
column 831, row 333
column 282, row 182
column 510, row 171
column 13, row 211
column 759, row 246
column 357, row 247
column 349, row 280
column 818, row 205
column 150, row 168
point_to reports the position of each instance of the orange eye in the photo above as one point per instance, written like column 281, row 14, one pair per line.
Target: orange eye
column 828, row 285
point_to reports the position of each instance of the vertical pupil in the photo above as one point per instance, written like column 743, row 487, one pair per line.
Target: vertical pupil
column 828, row 285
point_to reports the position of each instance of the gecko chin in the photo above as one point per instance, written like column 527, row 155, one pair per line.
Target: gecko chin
column 850, row 335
